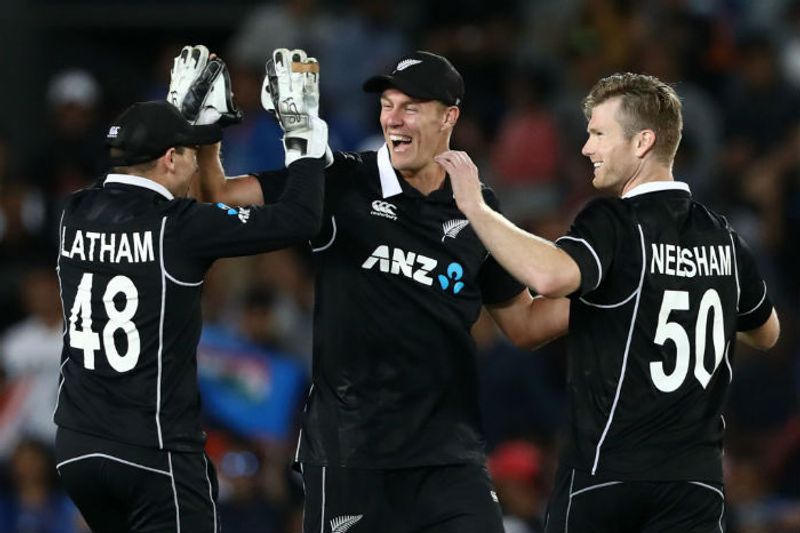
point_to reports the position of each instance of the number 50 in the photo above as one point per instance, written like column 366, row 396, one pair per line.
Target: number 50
column 679, row 301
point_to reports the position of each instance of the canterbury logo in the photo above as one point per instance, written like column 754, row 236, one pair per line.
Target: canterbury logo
column 384, row 209
column 452, row 228
column 341, row 524
column 404, row 64
column 113, row 131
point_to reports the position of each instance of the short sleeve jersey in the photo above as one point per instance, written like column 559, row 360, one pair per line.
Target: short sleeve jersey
column 131, row 265
column 401, row 278
column 665, row 285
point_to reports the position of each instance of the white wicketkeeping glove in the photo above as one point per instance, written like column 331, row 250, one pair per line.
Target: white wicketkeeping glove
column 291, row 92
column 201, row 88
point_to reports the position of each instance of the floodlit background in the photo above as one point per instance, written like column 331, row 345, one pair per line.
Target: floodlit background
column 69, row 67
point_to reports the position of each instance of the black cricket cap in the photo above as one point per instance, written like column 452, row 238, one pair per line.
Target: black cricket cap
column 422, row 75
column 146, row 130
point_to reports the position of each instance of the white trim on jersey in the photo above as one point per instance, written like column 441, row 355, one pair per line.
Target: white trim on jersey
column 210, row 493
column 608, row 306
column 569, row 503
column 112, row 458
column 736, row 271
column 761, row 301
column 330, row 242
column 60, row 386
column 657, row 186
column 728, row 362
column 721, row 495
column 594, row 254
column 139, row 181
column 390, row 184
column 592, row 487
column 161, row 333
column 300, row 434
column 175, row 493
column 63, row 311
column 625, row 354
column 183, row 283
column 322, row 509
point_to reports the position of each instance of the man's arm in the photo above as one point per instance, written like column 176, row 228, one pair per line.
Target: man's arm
column 763, row 337
column 534, row 261
column 531, row 322
column 215, row 187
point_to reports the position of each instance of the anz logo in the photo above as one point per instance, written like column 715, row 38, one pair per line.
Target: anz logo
column 399, row 262
column 414, row 266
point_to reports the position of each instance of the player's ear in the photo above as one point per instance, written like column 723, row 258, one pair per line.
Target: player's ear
column 645, row 141
column 169, row 158
column 451, row 115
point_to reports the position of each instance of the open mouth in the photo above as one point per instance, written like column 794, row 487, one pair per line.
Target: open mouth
column 399, row 142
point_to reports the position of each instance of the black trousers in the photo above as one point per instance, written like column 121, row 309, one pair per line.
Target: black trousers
column 583, row 504
column 435, row 499
column 121, row 488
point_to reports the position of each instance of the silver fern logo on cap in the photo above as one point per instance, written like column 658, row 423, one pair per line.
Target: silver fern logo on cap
column 404, row 64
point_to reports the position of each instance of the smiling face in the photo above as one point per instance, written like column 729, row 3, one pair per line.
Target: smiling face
column 415, row 130
column 613, row 154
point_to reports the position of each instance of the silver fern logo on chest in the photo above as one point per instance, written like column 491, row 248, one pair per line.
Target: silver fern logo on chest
column 452, row 228
column 341, row 524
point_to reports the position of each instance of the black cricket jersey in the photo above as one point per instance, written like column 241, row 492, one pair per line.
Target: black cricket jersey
column 400, row 280
column 665, row 286
column 131, row 265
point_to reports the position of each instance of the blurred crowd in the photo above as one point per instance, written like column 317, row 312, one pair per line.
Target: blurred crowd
column 527, row 65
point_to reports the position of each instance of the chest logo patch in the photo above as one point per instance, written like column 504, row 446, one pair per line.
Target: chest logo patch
column 454, row 274
column 452, row 228
column 399, row 262
column 384, row 209
column 343, row 523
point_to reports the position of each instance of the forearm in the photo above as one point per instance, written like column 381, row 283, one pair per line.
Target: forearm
column 534, row 261
column 213, row 186
column 530, row 323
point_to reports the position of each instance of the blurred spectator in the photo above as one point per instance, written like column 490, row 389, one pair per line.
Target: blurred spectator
column 254, row 144
column 73, row 151
column 516, row 385
column 36, row 504
column 702, row 126
column 30, row 354
column 526, row 150
column 516, row 470
column 288, row 273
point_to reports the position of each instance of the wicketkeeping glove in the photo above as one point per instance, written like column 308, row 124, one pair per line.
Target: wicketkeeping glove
column 291, row 92
column 201, row 88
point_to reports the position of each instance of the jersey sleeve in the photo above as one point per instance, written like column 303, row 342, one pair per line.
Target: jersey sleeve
column 755, row 306
column 497, row 285
column 591, row 242
column 216, row 230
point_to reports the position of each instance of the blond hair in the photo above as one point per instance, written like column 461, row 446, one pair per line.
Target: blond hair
column 646, row 103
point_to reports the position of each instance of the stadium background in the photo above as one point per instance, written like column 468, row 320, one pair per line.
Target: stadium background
column 69, row 67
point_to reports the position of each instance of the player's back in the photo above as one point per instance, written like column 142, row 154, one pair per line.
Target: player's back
column 122, row 379
column 650, row 348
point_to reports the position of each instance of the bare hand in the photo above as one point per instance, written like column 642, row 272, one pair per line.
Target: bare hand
column 463, row 178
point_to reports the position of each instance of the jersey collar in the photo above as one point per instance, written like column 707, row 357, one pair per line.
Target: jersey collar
column 657, row 186
column 390, row 183
column 139, row 181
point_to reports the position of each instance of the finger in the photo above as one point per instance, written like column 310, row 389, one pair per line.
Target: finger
column 281, row 61
column 200, row 55
column 296, row 68
column 184, row 55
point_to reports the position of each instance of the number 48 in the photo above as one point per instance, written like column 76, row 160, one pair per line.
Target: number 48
column 673, row 331
column 88, row 340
